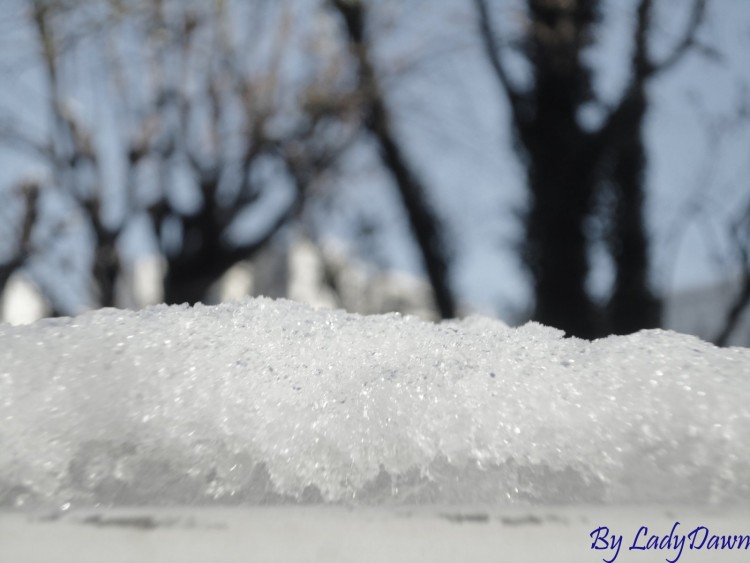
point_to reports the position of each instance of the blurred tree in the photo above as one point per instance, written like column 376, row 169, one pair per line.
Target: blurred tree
column 201, row 117
column 571, row 166
column 426, row 226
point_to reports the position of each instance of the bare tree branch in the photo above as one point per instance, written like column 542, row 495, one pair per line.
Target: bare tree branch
column 493, row 50
column 740, row 232
column 687, row 41
column 425, row 224
column 29, row 191
column 644, row 68
column 642, row 65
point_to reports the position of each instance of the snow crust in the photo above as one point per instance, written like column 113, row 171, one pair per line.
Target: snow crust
column 272, row 401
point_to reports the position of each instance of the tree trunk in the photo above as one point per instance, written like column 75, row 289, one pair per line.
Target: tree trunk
column 556, row 251
column 561, row 173
column 632, row 306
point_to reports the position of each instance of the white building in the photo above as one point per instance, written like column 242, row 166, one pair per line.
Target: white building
column 327, row 276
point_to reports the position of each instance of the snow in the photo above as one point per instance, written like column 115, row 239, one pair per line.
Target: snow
column 275, row 402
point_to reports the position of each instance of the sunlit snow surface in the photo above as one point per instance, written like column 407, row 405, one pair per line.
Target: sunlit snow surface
column 271, row 401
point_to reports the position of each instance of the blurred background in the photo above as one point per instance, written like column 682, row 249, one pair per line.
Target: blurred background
column 582, row 163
